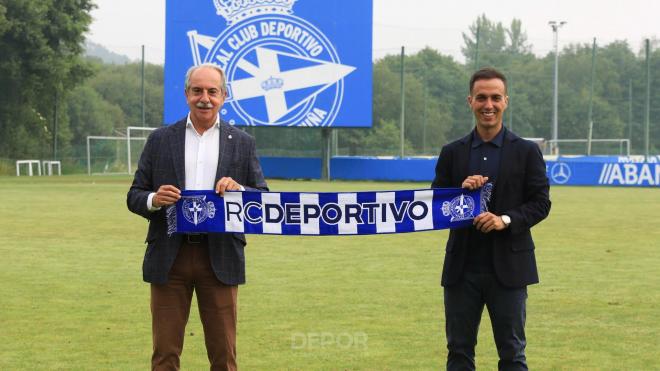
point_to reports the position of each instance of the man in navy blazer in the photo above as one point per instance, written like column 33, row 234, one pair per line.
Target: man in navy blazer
column 199, row 152
column 491, row 263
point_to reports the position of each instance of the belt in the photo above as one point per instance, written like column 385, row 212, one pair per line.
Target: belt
column 196, row 238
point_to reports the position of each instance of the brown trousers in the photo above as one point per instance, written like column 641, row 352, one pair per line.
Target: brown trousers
column 170, row 306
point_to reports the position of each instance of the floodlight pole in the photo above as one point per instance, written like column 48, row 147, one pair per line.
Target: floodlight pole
column 326, row 153
column 426, row 93
column 55, row 124
column 590, row 118
column 630, row 110
column 142, row 88
column 555, row 29
column 403, row 101
column 647, row 114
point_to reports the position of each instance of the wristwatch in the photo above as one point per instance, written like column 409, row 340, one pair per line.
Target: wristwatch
column 506, row 219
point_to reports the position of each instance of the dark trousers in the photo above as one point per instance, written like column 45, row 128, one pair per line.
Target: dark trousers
column 170, row 306
column 464, row 304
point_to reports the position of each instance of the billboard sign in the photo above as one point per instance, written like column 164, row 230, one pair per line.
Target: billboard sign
column 303, row 63
column 566, row 172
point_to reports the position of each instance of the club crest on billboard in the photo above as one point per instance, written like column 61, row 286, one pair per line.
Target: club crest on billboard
column 300, row 63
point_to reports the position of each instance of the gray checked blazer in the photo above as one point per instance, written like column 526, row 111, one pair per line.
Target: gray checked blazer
column 163, row 162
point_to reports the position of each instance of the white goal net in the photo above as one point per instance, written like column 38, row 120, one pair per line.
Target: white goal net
column 116, row 154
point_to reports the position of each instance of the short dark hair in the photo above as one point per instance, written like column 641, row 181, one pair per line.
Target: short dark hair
column 487, row 73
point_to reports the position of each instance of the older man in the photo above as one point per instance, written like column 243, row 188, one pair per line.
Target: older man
column 199, row 152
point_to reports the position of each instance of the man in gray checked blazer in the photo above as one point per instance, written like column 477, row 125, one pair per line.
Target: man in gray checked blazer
column 199, row 152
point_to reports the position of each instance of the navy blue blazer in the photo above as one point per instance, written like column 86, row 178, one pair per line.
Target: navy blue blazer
column 163, row 162
column 521, row 192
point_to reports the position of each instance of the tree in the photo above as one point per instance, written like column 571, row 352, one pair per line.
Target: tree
column 491, row 44
column 446, row 82
column 120, row 85
column 517, row 39
column 485, row 43
column 89, row 114
column 41, row 62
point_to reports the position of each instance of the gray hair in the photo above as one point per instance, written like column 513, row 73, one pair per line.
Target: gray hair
column 223, row 85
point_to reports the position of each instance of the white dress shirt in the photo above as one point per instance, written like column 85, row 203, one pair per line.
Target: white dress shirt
column 201, row 157
column 202, row 152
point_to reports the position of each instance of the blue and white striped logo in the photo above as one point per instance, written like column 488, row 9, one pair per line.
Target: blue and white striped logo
column 343, row 213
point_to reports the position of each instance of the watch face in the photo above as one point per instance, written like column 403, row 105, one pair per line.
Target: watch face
column 506, row 219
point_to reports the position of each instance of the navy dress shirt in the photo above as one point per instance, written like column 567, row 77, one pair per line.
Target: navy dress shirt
column 484, row 160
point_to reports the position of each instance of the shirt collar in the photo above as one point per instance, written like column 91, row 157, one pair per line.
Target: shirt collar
column 497, row 141
column 189, row 123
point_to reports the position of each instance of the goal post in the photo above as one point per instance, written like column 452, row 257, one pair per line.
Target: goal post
column 29, row 164
column 107, row 154
column 129, row 138
column 115, row 154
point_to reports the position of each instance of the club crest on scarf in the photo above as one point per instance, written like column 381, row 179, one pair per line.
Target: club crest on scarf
column 460, row 208
column 196, row 209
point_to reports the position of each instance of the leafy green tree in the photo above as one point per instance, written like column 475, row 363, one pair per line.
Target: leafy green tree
column 654, row 111
column 43, row 77
column 517, row 39
column 428, row 105
column 92, row 115
column 386, row 105
column 577, row 60
column 484, row 43
column 4, row 23
column 121, row 86
column 41, row 47
column 446, row 82
column 384, row 138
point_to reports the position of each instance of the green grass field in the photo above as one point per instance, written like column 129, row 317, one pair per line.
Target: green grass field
column 72, row 296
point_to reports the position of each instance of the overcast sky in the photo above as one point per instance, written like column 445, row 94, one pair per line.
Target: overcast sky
column 124, row 25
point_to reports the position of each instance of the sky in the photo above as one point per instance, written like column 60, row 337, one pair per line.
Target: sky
column 123, row 26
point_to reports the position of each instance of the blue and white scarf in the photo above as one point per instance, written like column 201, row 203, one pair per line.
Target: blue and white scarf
column 326, row 213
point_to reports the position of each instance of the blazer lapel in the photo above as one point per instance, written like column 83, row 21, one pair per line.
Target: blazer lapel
column 506, row 162
column 178, row 143
column 226, row 148
column 463, row 158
